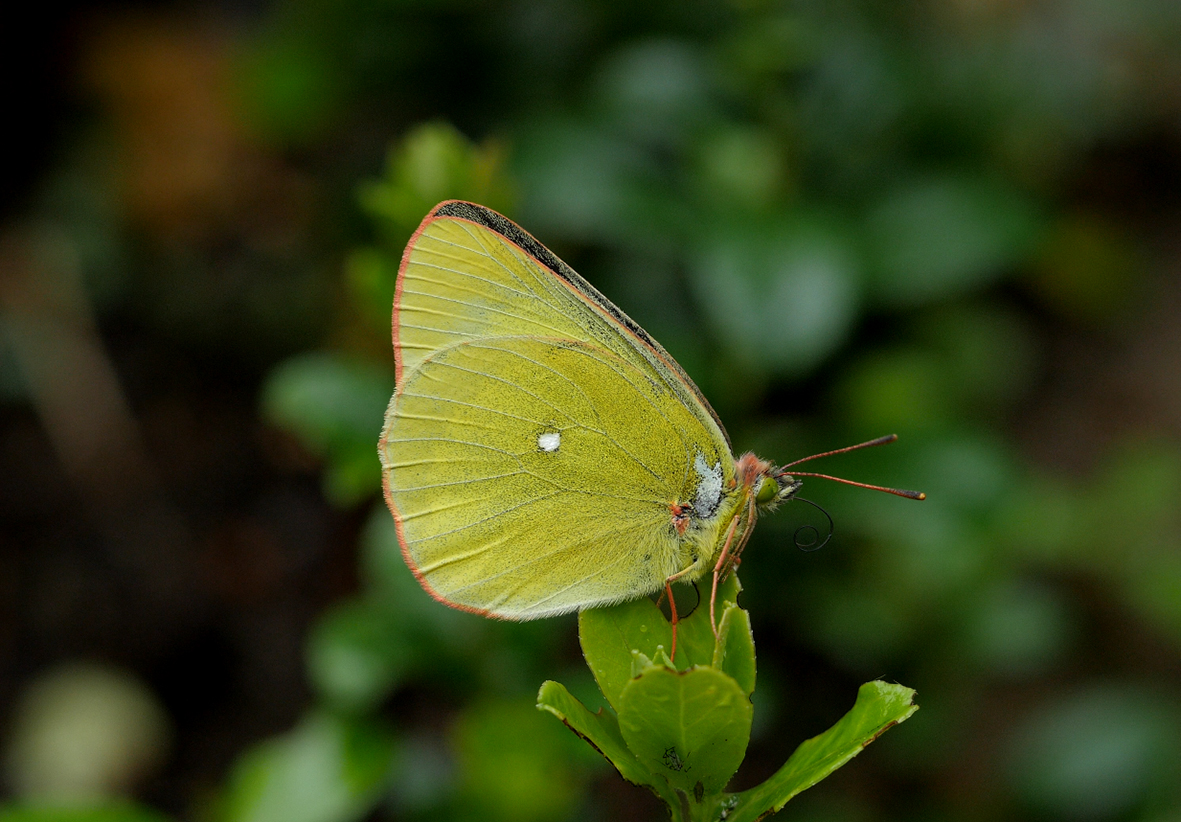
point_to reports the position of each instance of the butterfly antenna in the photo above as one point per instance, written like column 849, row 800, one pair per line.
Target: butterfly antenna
column 801, row 542
column 879, row 441
column 868, row 444
column 896, row 491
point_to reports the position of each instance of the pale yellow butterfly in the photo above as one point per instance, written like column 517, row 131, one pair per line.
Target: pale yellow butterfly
column 541, row 453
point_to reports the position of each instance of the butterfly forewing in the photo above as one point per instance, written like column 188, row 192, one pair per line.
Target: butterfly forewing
column 469, row 273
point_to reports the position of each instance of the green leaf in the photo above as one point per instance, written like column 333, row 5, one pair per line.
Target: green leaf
column 356, row 655
column 516, row 765
column 334, row 406
column 609, row 635
column 641, row 663
column 946, row 235
column 879, row 706
column 434, row 162
column 326, row 770
column 600, row 730
column 691, row 727
column 780, row 294
column 695, row 635
column 734, row 652
column 1092, row 753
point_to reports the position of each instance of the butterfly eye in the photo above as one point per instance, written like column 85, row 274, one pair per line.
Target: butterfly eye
column 768, row 491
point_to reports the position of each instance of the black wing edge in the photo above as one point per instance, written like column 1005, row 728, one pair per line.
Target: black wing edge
column 512, row 232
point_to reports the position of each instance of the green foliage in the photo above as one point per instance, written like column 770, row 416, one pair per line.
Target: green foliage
column 516, row 767
column 879, row 707
column 434, row 162
column 843, row 220
column 690, row 728
column 681, row 729
column 940, row 237
column 332, row 403
column 98, row 812
column 366, row 647
column 358, row 653
column 1093, row 753
column 497, row 760
column 287, row 90
column 326, row 770
column 751, row 196
column 776, row 249
column 793, row 276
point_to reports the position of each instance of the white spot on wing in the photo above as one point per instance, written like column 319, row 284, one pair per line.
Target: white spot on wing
column 549, row 441
column 709, row 489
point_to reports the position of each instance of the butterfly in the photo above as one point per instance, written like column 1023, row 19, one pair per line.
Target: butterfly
column 541, row 453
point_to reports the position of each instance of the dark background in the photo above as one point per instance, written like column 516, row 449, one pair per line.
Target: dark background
column 955, row 221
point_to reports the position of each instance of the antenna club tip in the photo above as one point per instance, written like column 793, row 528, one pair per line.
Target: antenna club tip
column 917, row 495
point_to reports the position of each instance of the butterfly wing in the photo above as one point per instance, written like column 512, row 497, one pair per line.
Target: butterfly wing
column 531, row 476
column 470, row 273
column 538, row 436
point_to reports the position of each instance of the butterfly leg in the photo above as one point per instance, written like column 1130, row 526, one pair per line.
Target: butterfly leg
column 672, row 606
column 721, row 563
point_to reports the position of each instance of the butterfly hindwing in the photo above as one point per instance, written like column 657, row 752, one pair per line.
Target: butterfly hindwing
column 532, row 476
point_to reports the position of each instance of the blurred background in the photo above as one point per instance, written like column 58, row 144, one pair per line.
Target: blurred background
column 958, row 221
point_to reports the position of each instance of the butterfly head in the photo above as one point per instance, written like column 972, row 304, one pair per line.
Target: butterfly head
column 775, row 487
column 767, row 485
